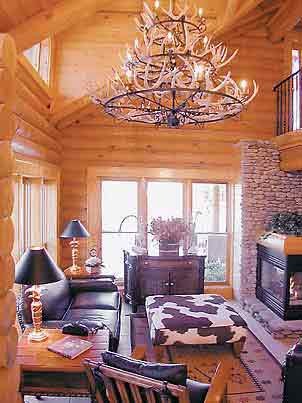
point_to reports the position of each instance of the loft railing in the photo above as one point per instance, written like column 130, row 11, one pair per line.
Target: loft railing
column 289, row 103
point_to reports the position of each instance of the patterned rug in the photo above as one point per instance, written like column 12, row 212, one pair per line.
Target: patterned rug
column 255, row 377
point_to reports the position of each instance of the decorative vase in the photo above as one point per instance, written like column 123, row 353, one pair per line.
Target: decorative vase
column 167, row 248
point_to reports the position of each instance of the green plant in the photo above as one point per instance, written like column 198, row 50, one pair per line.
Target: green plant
column 286, row 223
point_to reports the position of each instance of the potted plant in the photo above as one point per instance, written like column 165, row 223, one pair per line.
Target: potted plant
column 169, row 232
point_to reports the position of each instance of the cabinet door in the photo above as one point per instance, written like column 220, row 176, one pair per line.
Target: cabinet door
column 153, row 282
column 185, row 281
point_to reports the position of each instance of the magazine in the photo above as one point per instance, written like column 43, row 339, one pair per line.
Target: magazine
column 70, row 346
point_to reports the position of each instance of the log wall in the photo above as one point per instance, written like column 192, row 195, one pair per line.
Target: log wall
column 34, row 136
column 89, row 51
column 9, row 371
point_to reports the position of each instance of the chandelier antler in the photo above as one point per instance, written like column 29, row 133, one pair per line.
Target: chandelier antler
column 174, row 75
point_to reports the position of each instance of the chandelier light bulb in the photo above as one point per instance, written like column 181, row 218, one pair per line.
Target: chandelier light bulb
column 170, row 36
column 244, row 85
column 156, row 4
column 136, row 43
column 129, row 75
column 200, row 12
column 205, row 40
column 198, row 69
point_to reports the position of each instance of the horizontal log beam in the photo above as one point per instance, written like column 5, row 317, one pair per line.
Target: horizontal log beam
column 289, row 14
column 58, row 18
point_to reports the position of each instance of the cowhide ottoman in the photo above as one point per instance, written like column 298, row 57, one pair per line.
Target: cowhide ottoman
column 194, row 319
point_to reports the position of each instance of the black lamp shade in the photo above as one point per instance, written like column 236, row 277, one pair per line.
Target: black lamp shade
column 75, row 229
column 36, row 267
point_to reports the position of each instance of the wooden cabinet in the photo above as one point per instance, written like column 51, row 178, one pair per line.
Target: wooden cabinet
column 151, row 275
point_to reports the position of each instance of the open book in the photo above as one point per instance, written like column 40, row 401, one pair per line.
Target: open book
column 70, row 346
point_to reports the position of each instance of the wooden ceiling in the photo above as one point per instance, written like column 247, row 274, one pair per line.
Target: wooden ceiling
column 30, row 21
column 16, row 12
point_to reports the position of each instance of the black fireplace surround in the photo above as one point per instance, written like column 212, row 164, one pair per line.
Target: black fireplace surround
column 278, row 285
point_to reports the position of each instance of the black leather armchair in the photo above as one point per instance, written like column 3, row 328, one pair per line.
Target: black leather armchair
column 68, row 301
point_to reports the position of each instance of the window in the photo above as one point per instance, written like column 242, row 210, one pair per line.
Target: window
column 39, row 56
column 34, row 215
column 209, row 214
column 141, row 200
column 164, row 199
column 119, row 200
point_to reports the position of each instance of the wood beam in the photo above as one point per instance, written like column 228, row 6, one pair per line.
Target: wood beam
column 73, row 112
column 235, row 11
column 60, row 17
column 289, row 14
column 9, row 371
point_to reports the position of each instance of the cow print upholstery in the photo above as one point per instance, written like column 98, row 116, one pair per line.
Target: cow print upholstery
column 193, row 319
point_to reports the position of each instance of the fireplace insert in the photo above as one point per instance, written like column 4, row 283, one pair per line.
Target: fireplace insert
column 279, row 280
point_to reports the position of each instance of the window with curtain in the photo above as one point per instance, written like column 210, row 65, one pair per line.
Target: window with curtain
column 146, row 199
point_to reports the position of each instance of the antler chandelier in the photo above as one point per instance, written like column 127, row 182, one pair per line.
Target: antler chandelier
column 174, row 76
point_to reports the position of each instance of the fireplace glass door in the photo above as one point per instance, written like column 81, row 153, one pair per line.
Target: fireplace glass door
column 272, row 279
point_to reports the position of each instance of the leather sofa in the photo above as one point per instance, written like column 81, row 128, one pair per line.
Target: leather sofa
column 68, row 301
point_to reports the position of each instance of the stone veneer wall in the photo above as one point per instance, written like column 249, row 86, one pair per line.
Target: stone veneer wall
column 266, row 190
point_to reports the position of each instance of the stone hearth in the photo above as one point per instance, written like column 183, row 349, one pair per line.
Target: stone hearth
column 277, row 327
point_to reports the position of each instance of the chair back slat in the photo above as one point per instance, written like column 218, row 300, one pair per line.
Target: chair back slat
column 150, row 396
column 135, row 393
column 122, row 391
column 111, row 390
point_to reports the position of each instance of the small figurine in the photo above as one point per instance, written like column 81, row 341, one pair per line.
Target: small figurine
column 94, row 263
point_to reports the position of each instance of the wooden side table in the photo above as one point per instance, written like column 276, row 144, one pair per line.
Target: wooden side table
column 44, row 373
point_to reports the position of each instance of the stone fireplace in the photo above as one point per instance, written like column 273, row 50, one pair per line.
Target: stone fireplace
column 279, row 275
column 266, row 190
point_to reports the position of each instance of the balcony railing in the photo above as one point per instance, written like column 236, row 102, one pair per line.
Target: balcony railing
column 289, row 103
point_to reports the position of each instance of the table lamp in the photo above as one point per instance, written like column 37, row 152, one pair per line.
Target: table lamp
column 74, row 229
column 34, row 268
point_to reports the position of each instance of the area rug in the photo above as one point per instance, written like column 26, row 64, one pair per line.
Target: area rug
column 255, row 377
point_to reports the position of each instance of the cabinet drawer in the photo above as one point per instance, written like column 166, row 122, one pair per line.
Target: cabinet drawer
column 169, row 264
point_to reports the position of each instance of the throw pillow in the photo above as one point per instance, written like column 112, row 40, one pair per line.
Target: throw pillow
column 172, row 373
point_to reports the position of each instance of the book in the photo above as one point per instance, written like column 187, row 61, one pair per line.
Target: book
column 70, row 346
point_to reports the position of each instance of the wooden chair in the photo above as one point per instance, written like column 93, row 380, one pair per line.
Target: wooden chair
column 126, row 387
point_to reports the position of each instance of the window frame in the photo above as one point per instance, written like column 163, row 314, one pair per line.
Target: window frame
column 95, row 182
column 29, row 200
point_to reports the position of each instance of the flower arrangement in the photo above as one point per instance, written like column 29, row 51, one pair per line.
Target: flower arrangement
column 171, row 230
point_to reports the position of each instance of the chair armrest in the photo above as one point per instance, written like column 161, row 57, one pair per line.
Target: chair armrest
column 219, row 381
column 77, row 286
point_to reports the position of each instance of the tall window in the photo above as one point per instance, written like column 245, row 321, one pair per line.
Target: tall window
column 164, row 199
column 119, row 222
column 144, row 199
column 209, row 214
column 35, row 215
column 39, row 56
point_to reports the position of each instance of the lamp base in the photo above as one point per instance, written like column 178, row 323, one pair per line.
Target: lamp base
column 75, row 268
column 37, row 336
